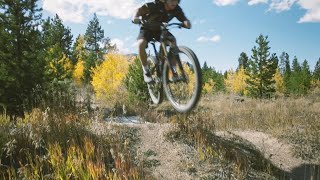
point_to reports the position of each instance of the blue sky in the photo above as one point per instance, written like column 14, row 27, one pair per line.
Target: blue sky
column 222, row 29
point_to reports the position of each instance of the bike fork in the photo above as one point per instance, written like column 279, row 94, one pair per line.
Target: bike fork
column 175, row 54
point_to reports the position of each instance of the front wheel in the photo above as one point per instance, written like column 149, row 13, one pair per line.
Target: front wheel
column 185, row 93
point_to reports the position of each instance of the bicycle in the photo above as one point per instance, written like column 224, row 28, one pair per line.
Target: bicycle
column 182, row 88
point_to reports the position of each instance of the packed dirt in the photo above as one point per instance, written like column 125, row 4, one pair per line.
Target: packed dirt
column 170, row 156
column 175, row 160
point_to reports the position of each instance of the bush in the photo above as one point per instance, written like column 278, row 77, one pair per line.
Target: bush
column 136, row 87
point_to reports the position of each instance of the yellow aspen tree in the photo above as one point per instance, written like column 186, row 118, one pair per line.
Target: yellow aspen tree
column 236, row 81
column 107, row 78
column 279, row 81
column 61, row 68
column 79, row 49
column 208, row 87
column 315, row 84
column 229, row 81
column 78, row 73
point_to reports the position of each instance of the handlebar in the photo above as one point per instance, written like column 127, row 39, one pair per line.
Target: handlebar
column 162, row 25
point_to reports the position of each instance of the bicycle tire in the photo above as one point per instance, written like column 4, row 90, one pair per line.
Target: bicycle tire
column 195, row 66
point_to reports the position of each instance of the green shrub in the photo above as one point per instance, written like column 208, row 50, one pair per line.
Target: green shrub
column 136, row 87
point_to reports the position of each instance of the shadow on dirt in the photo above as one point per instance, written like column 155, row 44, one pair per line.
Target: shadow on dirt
column 236, row 148
column 306, row 171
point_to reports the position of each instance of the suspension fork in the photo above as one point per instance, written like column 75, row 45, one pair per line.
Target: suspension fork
column 166, row 55
column 175, row 54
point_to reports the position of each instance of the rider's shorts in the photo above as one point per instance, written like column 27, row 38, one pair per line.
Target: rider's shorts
column 149, row 35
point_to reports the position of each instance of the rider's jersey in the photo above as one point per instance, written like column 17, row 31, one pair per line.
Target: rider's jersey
column 156, row 12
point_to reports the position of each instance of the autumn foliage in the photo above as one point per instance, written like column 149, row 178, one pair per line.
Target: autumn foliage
column 236, row 82
column 279, row 82
column 78, row 73
column 107, row 78
column 208, row 86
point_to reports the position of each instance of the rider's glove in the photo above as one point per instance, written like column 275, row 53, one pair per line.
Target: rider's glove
column 136, row 20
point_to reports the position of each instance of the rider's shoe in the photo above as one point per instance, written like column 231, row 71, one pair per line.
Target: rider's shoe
column 147, row 77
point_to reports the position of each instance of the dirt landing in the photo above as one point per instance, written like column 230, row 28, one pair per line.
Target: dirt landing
column 172, row 157
column 279, row 153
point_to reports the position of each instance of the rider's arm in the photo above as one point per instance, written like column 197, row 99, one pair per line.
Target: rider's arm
column 182, row 18
column 142, row 11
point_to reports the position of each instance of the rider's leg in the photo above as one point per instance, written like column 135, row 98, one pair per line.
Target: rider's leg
column 142, row 44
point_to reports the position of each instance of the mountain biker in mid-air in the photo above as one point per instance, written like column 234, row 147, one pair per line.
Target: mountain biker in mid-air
column 158, row 11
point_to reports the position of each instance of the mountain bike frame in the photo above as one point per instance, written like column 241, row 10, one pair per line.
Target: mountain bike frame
column 163, row 54
column 182, row 86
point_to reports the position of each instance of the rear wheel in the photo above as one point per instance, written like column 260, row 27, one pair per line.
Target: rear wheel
column 155, row 89
column 183, row 93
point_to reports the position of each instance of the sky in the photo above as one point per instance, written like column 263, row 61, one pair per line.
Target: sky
column 221, row 29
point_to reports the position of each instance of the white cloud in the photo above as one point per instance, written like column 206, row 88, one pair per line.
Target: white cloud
column 312, row 7
column 313, row 10
column 281, row 5
column 255, row 2
column 77, row 10
column 225, row 2
column 215, row 39
column 120, row 46
column 202, row 39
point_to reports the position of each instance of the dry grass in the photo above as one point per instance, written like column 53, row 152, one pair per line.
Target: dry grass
column 294, row 119
column 47, row 145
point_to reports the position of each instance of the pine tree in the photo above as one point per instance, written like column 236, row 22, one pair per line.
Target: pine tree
column 57, row 41
column 285, row 70
column 136, row 87
column 261, row 69
column 243, row 61
column 20, row 64
column 306, row 77
column 316, row 72
column 295, row 78
column 300, row 80
column 56, row 34
column 205, row 73
column 218, row 78
column 96, row 44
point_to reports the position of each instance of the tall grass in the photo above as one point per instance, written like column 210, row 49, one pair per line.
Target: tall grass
column 61, row 146
column 293, row 119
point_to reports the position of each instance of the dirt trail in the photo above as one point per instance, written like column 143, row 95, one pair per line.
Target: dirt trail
column 171, row 160
column 171, row 156
column 279, row 153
